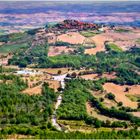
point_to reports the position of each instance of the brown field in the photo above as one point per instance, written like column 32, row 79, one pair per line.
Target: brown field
column 108, row 103
column 55, row 50
column 99, row 41
column 53, row 84
column 125, row 45
column 123, row 40
column 93, row 112
column 72, row 38
column 119, row 92
column 33, row 91
column 137, row 114
column 18, row 136
column 96, row 76
column 1, row 43
column 90, row 76
column 55, row 70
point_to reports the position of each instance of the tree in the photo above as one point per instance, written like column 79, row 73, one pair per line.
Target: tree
column 59, row 72
column 110, row 96
column 126, row 89
column 120, row 103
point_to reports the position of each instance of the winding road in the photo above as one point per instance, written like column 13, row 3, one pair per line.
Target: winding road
column 61, row 79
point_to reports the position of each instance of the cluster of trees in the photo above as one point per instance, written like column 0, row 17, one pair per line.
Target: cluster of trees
column 75, row 61
column 126, row 76
column 73, row 106
column 4, row 38
column 37, row 54
column 17, row 108
column 60, row 43
column 42, row 133
column 74, row 99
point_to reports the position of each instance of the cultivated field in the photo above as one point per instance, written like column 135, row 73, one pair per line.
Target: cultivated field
column 33, row 91
column 93, row 112
column 96, row 76
column 120, row 93
column 55, row 50
column 72, row 38
column 55, row 70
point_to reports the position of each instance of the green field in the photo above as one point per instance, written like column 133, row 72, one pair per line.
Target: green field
column 113, row 47
column 88, row 33
column 12, row 48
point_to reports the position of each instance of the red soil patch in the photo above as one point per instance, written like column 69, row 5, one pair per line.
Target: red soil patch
column 54, row 50
column 72, row 38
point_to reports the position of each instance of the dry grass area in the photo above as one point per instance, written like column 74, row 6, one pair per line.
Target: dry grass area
column 55, row 70
column 108, row 103
column 55, row 50
column 53, row 84
column 120, row 93
column 1, row 43
column 124, row 40
column 90, row 77
column 109, row 75
column 137, row 114
column 126, row 44
column 99, row 41
column 81, row 126
column 94, row 112
column 72, row 38
column 96, row 76
column 18, row 136
column 33, row 91
column 11, row 67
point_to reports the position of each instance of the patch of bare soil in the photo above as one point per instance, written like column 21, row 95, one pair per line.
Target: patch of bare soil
column 96, row 76
column 93, row 112
column 137, row 114
column 120, row 93
column 54, row 70
column 123, row 40
column 55, row 50
column 33, row 91
column 18, row 136
column 99, row 41
column 72, row 38
column 53, row 84
column 108, row 103
column 90, row 77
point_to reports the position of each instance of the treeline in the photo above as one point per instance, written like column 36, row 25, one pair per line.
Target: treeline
column 75, row 61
